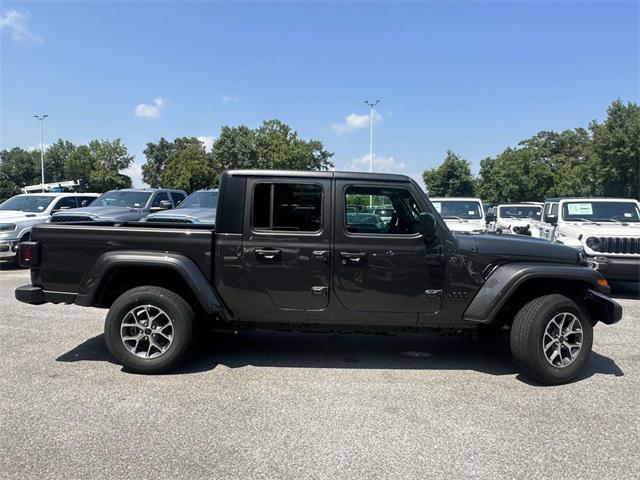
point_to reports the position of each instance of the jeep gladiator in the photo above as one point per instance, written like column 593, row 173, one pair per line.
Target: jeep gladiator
column 285, row 254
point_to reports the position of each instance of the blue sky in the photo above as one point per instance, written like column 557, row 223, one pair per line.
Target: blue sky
column 474, row 77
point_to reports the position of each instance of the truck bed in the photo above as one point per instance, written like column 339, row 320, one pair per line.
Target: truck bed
column 67, row 251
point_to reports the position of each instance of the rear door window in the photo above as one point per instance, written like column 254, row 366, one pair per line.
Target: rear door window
column 287, row 207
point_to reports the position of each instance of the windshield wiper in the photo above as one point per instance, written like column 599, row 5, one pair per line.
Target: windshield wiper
column 451, row 217
column 584, row 220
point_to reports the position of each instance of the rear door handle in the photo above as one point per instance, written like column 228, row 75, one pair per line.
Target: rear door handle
column 321, row 255
column 268, row 253
column 353, row 257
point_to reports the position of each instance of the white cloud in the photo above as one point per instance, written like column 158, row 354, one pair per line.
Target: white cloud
column 380, row 164
column 207, row 140
column 16, row 24
column 135, row 172
column 36, row 148
column 230, row 99
column 150, row 111
column 355, row 122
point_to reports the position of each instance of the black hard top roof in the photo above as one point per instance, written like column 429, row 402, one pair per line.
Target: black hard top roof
column 382, row 177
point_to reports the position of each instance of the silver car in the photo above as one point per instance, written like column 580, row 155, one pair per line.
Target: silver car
column 199, row 207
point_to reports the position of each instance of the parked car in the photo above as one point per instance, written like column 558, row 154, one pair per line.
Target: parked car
column 199, row 207
column 515, row 218
column 461, row 214
column 284, row 256
column 20, row 213
column 126, row 205
column 607, row 230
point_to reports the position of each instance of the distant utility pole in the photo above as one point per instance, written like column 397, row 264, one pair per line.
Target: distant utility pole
column 41, row 118
column 371, row 105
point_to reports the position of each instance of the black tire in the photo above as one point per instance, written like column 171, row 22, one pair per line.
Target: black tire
column 528, row 331
column 181, row 316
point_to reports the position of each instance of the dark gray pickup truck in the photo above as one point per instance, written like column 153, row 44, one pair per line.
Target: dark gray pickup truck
column 285, row 254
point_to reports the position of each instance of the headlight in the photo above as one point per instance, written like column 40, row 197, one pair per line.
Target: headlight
column 593, row 243
column 7, row 227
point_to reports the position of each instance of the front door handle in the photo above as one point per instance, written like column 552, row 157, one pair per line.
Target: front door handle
column 268, row 253
column 353, row 257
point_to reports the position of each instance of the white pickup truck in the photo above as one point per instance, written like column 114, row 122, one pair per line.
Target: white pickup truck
column 515, row 218
column 606, row 229
column 461, row 214
column 20, row 213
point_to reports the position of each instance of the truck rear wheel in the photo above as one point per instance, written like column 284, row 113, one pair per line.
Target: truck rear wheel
column 149, row 329
column 551, row 339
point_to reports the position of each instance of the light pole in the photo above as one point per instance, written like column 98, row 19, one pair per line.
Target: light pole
column 371, row 105
column 41, row 118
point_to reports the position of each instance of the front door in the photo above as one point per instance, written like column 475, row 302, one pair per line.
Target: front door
column 382, row 264
column 286, row 246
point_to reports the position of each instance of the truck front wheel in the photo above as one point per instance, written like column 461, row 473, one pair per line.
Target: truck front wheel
column 149, row 329
column 551, row 339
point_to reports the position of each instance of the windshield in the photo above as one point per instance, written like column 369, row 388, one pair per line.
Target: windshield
column 520, row 211
column 601, row 211
column 201, row 200
column 27, row 203
column 122, row 199
column 454, row 209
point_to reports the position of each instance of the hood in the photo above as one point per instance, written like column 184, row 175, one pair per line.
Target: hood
column 104, row 213
column 465, row 225
column 602, row 229
column 519, row 248
column 516, row 222
column 18, row 215
column 202, row 215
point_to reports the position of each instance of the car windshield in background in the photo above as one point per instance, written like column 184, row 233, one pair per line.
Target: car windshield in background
column 27, row 203
column 601, row 211
column 201, row 200
column 122, row 199
column 520, row 212
column 453, row 209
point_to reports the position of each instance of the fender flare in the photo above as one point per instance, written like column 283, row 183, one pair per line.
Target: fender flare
column 183, row 266
column 506, row 279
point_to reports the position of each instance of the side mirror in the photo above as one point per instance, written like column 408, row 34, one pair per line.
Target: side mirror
column 163, row 205
column 427, row 226
column 491, row 217
column 552, row 219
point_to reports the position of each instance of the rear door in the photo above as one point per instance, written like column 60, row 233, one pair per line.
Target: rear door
column 285, row 246
column 390, row 268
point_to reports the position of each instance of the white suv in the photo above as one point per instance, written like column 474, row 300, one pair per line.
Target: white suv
column 606, row 229
column 20, row 213
column 461, row 214
column 515, row 218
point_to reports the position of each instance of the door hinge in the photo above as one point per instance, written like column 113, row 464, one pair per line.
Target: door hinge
column 320, row 291
column 433, row 293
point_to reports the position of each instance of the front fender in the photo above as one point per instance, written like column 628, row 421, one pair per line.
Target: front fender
column 506, row 279
column 179, row 264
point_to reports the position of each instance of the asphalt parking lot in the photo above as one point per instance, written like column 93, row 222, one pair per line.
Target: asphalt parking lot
column 278, row 405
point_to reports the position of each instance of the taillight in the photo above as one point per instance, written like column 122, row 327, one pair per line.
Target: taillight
column 28, row 254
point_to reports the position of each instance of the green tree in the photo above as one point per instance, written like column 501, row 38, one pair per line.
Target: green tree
column 98, row 165
column 273, row 145
column 451, row 179
column 7, row 187
column 516, row 175
column 157, row 155
column 20, row 166
column 189, row 168
column 54, row 159
column 570, row 157
column 616, row 142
